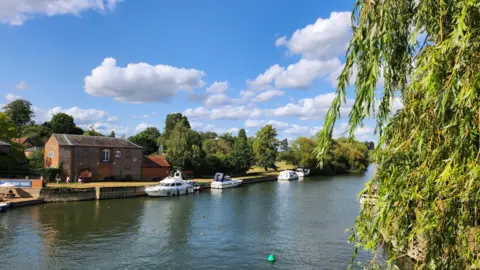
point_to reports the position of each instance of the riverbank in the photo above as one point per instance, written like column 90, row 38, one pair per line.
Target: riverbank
column 105, row 190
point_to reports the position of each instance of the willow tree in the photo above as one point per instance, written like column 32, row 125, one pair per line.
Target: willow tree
column 428, row 174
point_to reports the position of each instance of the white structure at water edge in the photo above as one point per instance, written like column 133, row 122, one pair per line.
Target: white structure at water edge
column 221, row 181
column 287, row 176
column 173, row 185
column 301, row 172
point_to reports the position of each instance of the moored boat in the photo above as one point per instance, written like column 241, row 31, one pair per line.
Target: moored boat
column 221, row 181
column 4, row 206
column 301, row 172
column 287, row 176
column 173, row 185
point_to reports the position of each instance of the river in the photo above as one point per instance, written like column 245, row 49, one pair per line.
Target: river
column 303, row 223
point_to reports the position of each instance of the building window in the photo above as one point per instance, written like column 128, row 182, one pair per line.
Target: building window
column 85, row 153
column 118, row 154
column 134, row 159
column 106, row 155
column 127, row 154
column 51, row 154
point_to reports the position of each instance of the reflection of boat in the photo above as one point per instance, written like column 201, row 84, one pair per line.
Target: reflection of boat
column 287, row 175
column 221, row 181
column 301, row 172
column 170, row 186
column 366, row 198
column 4, row 206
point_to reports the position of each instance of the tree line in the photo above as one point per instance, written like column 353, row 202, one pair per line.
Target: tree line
column 208, row 152
column 202, row 152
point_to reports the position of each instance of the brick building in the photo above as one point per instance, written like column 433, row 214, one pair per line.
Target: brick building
column 155, row 168
column 100, row 157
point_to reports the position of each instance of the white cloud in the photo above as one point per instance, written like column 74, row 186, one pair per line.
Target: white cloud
column 21, row 85
column 202, row 127
column 142, row 126
column 267, row 95
column 11, row 97
column 252, row 123
column 224, row 112
column 363, row 133
column 324, row 39
column 81, row 117
column 266, row 78
column 311, row 108
column 16, row 12
column 217, row 87
column 105, row 128
column 217, row 99
column 298, row 130
column 300, row 75
column 140, row 82
column 198, row 112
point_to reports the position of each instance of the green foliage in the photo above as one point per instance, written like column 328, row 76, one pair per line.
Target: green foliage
column 147, row 139
column 428, row 152
column 64, row 124
column 265, row 147
column 303, row 149
column 20, row 112
column 112, row 134
column 178, row 147
column 38, row 134
column 14, row 163
column 8, row 129
column 171, row 122
column 36, row 161
column 242, row 154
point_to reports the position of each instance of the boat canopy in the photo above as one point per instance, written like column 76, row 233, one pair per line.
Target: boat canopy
column 219, row 177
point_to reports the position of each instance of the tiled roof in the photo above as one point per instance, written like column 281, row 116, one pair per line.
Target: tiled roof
column 94, row 141
column 155, row 161
column 20, row 140
column 2, row 143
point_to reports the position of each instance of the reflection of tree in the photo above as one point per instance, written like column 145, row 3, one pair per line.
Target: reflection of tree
column 179, row 220
column 65, row 226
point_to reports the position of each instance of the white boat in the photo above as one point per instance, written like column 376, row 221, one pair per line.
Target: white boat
column 221, row 181
column 367, row 199
column 287, row 175
column 173, row 185
column 301, row 172
column 4, row 206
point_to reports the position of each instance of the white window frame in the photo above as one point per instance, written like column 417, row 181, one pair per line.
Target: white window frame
column 51, row 154
column 118, row 154
column 106, row 155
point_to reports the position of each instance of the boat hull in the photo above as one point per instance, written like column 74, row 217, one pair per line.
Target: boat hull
column 167, row 192
column 224, row 185
column 287, row 179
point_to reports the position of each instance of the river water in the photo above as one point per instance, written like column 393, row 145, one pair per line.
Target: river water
column 303, row 223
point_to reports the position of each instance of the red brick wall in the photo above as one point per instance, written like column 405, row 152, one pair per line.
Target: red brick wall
column 148, row 174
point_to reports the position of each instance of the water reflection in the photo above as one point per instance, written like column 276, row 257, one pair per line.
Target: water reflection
column 302, row 222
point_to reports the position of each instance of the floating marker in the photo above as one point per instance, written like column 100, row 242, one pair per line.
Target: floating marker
column 271, row 258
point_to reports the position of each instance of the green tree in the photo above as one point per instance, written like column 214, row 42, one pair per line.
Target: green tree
column 303, row 151
column 242, row 154
column 147, row 139
column 64, row 124
column 92, row 132
column 20, row 112
column 8, row 129
column 36, row 161
column 38, row 134
column 428, row 166
column 171, row 122
column 265, row 147
column 284, row 145
column 112, row 134
column 178, row 147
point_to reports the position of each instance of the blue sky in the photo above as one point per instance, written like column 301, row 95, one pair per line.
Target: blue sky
column 124, row 65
